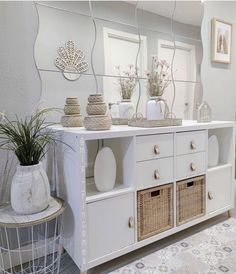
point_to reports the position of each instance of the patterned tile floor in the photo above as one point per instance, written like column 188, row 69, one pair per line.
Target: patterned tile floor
column 210, row 251
column 207, row 248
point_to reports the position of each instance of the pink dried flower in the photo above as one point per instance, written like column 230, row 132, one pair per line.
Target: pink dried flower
column 158, row 78
column 127, row 81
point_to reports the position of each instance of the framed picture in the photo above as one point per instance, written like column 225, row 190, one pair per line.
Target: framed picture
column 221, row 36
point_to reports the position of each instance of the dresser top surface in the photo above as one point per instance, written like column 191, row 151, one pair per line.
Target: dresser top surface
column 126, row 131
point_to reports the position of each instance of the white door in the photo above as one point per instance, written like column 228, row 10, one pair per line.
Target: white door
column 120, row 49
column 184, row 68
column 219, row 188
column 109, row 229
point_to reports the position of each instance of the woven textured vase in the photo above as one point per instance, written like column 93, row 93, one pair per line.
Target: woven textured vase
column 72, row 120
column 97, row 122
column 96, row 108
column 72, row 109
column 72, row 101
column 95, row 98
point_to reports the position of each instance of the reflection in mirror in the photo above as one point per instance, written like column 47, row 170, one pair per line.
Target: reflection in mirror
column 117, row 45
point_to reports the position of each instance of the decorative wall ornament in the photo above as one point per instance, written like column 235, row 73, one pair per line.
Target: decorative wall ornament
column 221, row 36
column 70, row 61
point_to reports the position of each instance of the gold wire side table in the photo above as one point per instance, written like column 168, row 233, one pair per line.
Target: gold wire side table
column 31, row 243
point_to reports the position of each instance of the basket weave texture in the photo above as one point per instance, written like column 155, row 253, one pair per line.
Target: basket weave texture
column 97, row 122
column 155, row 210
column 190, row 199
column 72, row 120
column 96, row 109
column 72, row 109
column 72, row 101
column 95, row 98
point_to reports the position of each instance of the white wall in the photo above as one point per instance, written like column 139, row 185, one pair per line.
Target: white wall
column 219, row 80
column 61, row 21
column 20, row 85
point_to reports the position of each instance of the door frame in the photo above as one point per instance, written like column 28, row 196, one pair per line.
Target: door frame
column 126, row 36
column 189, row 96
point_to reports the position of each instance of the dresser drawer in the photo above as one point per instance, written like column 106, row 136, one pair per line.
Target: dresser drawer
column 154, row 172
column 190, row 142
column 154, row 146
column 190, row 165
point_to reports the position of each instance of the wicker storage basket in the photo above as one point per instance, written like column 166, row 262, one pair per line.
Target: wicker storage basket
column 155, row 210
column 190, row 199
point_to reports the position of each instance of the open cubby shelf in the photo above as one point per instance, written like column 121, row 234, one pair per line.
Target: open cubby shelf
column 123, row 150
column 92, row 194
column 225, row 140
column 219, row 166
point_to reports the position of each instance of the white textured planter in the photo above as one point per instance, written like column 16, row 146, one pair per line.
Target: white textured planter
column 155, row 109
column 30, row 190
column 126, row 109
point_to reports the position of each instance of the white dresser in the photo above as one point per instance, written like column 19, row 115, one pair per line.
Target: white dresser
column 100, row 226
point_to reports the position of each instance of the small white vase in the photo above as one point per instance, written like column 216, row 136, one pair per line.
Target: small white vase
column 213, row 151
column 30, row 189
column 126, row 109
column 105, row 169
column 155, row 109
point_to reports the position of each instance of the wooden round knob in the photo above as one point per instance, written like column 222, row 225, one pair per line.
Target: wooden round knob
column 131, row 222
column 193, row 167
column 157, row 150
column 156, row 175
column 210, row 196
column 193, row 145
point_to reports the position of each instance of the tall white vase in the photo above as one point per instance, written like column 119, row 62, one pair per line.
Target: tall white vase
column 30, row 189
column 126, row 109
column 155, row 109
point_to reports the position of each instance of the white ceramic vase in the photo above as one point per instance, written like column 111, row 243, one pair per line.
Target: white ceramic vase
column 126, row 109
column 105, row 169
column 30, row 189
column 213, row 151
column 155, row 109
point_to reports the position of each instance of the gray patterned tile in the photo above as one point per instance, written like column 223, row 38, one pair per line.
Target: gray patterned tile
column 210, row 251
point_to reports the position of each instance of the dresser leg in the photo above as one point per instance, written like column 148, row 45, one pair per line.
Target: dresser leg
column 62, row 250
column 230, row 213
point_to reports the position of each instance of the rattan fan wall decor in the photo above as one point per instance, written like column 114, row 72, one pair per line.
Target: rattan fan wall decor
column 70, row 61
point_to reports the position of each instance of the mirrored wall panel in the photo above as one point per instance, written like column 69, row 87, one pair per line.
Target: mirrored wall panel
column 126, row 38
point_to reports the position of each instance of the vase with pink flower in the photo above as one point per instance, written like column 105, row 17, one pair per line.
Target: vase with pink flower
column 158, row 79
column 127, row 81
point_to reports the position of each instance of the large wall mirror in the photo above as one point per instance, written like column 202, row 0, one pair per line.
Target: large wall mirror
column 128, row 33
